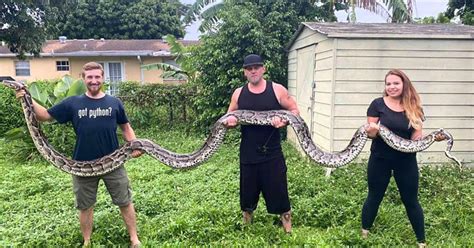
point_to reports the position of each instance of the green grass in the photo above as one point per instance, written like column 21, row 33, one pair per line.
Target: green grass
column 200, row 207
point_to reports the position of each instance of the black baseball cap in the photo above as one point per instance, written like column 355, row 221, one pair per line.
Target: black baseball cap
column 252, row 59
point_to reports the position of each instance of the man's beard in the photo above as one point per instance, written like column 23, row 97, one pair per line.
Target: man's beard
column 254, row 81
column 92, row 91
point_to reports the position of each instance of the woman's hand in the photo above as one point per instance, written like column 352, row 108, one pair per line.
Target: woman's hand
column 440, row 137
column 372, row 129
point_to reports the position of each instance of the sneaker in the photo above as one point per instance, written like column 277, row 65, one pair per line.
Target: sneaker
column 247, row 217
column 286, row 221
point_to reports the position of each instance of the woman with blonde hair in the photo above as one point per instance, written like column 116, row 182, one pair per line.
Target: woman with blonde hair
column 400, row 111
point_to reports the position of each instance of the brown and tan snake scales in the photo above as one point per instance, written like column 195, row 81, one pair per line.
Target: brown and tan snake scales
column 183, row 161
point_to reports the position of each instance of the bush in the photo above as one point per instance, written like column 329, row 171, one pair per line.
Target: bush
column 13, row 121
column 60, row 136
column 156, row 104
column 11, row 115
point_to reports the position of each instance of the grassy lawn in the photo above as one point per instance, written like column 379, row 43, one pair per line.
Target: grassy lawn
column 200, row 207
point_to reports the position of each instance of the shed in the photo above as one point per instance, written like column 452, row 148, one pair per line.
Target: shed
column 335, row 70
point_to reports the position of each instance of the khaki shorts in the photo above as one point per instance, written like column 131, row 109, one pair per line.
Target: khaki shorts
column 117, row 183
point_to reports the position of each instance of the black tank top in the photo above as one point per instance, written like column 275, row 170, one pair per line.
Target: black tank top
column 259, row 143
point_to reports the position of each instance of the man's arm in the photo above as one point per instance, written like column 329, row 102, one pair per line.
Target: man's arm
column 127, row 131
column 129, row 135
column 285, row 100
column 233, row 100
column 40, row 111
column 231, row 121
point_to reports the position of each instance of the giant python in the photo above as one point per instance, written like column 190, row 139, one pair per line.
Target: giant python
column 114, row 160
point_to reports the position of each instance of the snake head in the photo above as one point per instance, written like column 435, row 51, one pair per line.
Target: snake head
column 16, row 85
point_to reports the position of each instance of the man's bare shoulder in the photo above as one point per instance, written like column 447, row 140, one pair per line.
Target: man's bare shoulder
column 278, row 88
column 237, row 91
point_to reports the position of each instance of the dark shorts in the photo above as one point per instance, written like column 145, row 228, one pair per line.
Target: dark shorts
column 268, row 177
column 117, row 183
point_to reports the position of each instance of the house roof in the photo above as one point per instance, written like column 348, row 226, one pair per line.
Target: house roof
column 388, row 30
column 103, row 47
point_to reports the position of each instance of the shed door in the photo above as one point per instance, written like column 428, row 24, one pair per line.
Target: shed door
column 304, row 83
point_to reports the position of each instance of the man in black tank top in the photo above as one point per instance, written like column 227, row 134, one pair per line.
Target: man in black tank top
column 262, row 165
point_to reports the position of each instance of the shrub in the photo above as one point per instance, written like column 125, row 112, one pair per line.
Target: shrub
column 14, row 127
column 156, row 104
column 10, row 111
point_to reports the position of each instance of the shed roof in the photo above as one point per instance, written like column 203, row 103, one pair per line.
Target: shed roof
column 102, row 47
column 388, row 30
column 338, row 29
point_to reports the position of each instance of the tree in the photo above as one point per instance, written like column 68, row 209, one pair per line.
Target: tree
column 463, row 9
column 26, row 24
column 245, row 27
column 395, row 11
column 398, row 11
column 441, row 18
column 121, row 19
column 208, row 10
column 185, row 69
column 392, row 10
column 23, row 26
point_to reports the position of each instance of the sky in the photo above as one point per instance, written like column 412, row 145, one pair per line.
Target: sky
column 423, row 8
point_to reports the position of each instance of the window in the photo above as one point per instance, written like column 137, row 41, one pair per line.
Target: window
column 22, row 68
column 62, row 65
column 113, row 72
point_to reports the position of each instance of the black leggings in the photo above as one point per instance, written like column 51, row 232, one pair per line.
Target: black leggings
column 405, row 172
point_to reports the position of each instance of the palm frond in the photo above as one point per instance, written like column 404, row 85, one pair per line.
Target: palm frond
column 210, row 17
column 195, row 10
column 352, row 16
column 399, row 10
column 161, row 66
column 169, row 71
column 174, row 75
column 375, row 7
column 176, row 48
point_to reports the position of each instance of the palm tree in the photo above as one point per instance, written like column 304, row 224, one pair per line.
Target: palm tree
column 184, row 70
column 206, row 10
column 400, row 12
column 393, row 10
column 396, row 11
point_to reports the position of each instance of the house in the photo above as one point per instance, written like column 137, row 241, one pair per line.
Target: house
column 335, row 70
column 121, row 60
